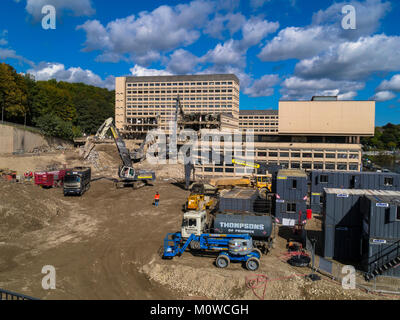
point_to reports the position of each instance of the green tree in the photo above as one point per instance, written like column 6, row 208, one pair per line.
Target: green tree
column 13, row 92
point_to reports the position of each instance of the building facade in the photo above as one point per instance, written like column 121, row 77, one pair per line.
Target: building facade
column 260, row 121
column 155, row 97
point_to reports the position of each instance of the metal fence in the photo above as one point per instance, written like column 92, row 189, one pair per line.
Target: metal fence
column 8, row 295
column 333, row 270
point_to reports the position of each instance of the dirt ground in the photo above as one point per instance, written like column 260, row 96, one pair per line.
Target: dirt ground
column 105, row 245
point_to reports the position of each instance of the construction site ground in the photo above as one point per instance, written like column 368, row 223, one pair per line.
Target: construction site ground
column 106, row 244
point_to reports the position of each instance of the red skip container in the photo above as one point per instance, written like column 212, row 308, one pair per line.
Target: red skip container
column 309, row 214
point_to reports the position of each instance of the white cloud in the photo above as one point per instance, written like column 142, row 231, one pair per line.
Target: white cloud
column 368, row 16
column 325, row 31
column 162, row 30
column 393, row 84
column 46, row 71
column 263, row 87
column 384, row 96
column 347, row 96
column 353, row 60
column 228, row 53
column 232, row 22
column 256, row 4
column 3, row 36
column 255, row 30
column 182, row 62
column 11, row 54
column 139, row 71
column 77, row 7
column 297, row 43
column 303, row 89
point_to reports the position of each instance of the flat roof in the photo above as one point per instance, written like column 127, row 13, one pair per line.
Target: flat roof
column 292, row 173
column 391, row 173
column 198, row 77
column 385, row 199
column 363, row 192
column 258, row 112
column 238, row 193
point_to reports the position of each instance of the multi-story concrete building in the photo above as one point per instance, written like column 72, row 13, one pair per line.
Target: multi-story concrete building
column 320, row 134
column 154, row 97
column 260, row 121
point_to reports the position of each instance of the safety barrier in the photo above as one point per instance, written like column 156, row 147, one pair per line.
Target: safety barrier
column 8, row 295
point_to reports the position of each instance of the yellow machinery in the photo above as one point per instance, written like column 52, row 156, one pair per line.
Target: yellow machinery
column 229, row 183
column 197, row 200
column 263, row 182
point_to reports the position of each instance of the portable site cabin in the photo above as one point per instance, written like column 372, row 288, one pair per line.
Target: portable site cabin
column 320, row 179
column 291, row 197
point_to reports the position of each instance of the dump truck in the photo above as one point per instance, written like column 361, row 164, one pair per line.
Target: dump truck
column 77, row 181
column 231, row 248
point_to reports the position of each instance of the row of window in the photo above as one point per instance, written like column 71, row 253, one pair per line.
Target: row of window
column 257, row 117
column 164, row 84
column 204, row 108
column 180, row 91
column 187, row 98
column 267, row 123
column 309, row 155
column 294, row 165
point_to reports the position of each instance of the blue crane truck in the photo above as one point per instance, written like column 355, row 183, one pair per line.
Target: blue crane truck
column 231, row 248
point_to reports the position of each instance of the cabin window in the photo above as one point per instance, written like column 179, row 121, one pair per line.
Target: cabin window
column 388, row 181
column 323, row 178
column 294, row 184
column 291, row 207
column 398, row 213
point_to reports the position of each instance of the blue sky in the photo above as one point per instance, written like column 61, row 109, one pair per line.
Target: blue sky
column 280, row 49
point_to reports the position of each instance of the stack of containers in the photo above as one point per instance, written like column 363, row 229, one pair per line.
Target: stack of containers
column 349, row 180
column 344, row 222
column 381, row 231
column 291, row 197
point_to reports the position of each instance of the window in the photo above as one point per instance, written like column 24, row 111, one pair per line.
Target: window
column 307, row 155
column 296, row 154
column 388, row 181
column 295, row 165
column 323, row 178
column 294, row 184
column 284, row 155
column 342, row 166
column 398, row 213
column 307, row 165
column 291, row 207
column 273, row 154
column 318, row 155
column 330, row 166
column 318, row 166
column 331, row 155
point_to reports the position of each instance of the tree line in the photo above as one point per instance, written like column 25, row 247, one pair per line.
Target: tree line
column 59, row 109
column 386, row 138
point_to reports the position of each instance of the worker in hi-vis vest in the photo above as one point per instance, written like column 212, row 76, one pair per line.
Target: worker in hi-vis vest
column 157, row 199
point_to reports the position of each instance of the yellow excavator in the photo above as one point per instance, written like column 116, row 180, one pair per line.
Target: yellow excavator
column 263, row 181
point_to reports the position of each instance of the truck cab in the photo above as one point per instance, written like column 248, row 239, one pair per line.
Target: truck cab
column 194, row 222
column 77, row 181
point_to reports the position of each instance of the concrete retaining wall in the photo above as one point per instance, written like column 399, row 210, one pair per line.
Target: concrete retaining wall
column 13, row 139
